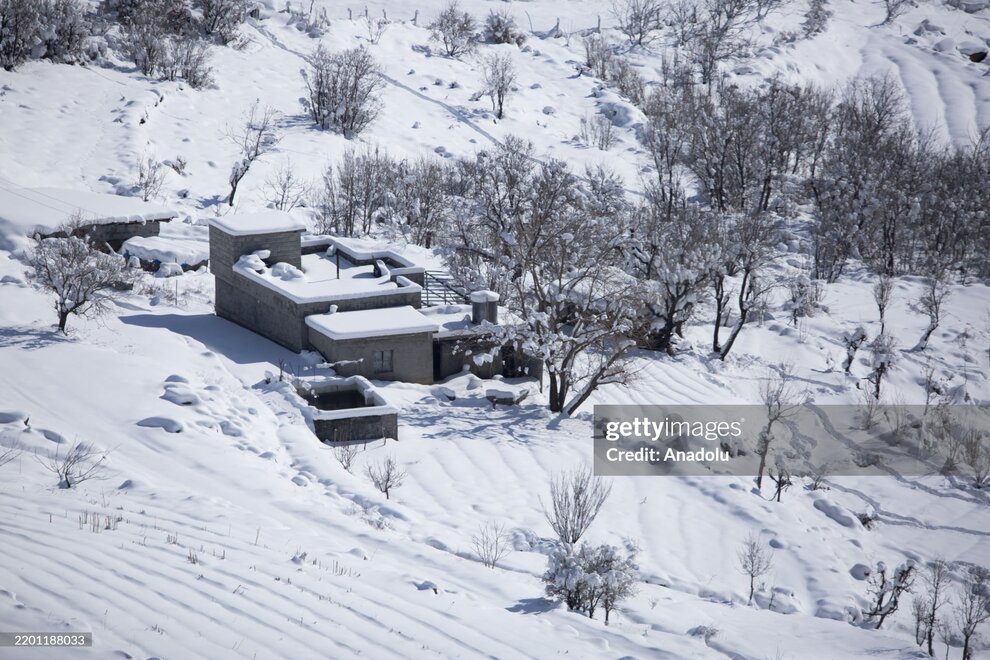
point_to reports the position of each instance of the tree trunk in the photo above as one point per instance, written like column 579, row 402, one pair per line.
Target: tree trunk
column 63, row 317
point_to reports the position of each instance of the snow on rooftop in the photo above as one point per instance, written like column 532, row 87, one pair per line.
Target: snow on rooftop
column 484, row 296
column 263, row 222
column 380, row 322
column 319, row 281
column 186, row 250
column 37, row 209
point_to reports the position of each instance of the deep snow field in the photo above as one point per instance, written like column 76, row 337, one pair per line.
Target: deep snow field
column 241, row 535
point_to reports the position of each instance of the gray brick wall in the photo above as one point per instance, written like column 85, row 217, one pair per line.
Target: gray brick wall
column 226, row 249
column 357, row 428
column 413, row 356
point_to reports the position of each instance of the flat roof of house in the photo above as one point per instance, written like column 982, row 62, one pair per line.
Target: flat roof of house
column 270, row 221
column 380, row 322
column 319, row 281
column 39, row 209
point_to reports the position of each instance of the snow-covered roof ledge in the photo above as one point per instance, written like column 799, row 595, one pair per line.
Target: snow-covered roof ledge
column 263, row 222
column 381, row 322
column 40, row 209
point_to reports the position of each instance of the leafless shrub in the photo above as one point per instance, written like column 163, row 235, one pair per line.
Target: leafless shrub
column 377, row 28
column 80, row 463
column 386, row 476
column 895, row 8
column 639, row 20
column 976, row 453
column 454, row 29
column 491, row 543
column 883, row 358
column 501, row 28
column 819, row 476
column 597, row 131
column 255, row 137
column 346, row 453
column 151, row 176
column 598, row 55
column 344, row 89
column 576, row 497
column 8, row 454
column 223, row 18
column 885, row 589
column 284, row 190
column 500, row 79
column 627, row 80
column 755, row 560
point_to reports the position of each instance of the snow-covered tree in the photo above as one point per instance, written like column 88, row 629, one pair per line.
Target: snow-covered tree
column 64, row 27
column 885, row 589
column 19, row 27
column 883, row 358
column 591, row 577
column 454, row 29
column 223, row 18
column 83, row 279
column 853, row 341
column 501, row 28
column 932, row 298
column 535, row 234
column 344, row 89
column 935, row 580
column 357, row 192
column 639, row 20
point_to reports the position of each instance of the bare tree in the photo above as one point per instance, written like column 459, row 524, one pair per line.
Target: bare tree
column 344, row 89
column 755, row 560
column 576, row 497
column 894, row 8
column 80, row 463
column 284, row 189
column 223, row 18
column 151, row 176
column 386, row 476
column 257, row 136
column 639, row 20
column 935, row 294
column 500, row 79
column 597, row 131
column 83, row 279
column 8, row 454
column 346, row 453
column 972, row 609
column 935, row 580
column 491, row 543
column 853, row 341
column 377, row 28
column 886, row 588
column 777, row 392
column 976, row 452
column 883, row 291
column 755, row 234
column 781, row 480
column 883, row 357
column 454, row 29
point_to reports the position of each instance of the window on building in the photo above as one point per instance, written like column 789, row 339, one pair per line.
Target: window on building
column 381, row 361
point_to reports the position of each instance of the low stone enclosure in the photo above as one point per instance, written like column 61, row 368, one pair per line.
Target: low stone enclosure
column 362, row 310
column 108, row 220
column 346, row 409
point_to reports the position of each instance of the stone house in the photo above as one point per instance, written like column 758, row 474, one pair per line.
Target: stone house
column 363, row 310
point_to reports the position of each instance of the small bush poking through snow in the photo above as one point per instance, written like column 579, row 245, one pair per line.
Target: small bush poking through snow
column 501, row 28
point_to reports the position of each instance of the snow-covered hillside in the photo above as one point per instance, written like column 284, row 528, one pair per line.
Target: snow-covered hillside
column 224, row 528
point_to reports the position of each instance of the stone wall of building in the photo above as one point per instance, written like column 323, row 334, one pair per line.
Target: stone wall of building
column 357, row 428
column 226, row 249
column 412, row 356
